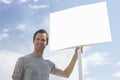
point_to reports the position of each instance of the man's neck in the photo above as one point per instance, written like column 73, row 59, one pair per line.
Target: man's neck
column 38, row 53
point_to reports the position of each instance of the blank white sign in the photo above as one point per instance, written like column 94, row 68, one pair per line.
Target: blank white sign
column 82, row 25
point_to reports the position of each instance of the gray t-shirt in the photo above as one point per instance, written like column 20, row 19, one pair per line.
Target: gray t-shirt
column 33, row 68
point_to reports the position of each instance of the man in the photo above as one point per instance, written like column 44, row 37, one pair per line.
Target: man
column 34, row 67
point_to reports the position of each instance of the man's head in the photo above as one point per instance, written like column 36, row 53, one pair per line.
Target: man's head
column 43, row 32
column 40, row 40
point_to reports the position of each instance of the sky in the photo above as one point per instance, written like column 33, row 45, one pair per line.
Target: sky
column 19, row 19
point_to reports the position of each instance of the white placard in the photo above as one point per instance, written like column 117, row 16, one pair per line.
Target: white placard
column 82, row 25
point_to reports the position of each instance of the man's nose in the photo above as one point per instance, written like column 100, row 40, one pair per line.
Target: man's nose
column 40, row 41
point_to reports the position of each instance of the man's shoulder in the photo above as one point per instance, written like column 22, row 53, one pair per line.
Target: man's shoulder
column 25, row 56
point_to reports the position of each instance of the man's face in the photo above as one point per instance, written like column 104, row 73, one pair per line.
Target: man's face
column 40, row 41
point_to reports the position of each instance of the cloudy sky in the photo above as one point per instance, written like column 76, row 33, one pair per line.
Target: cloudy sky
column 19, row 19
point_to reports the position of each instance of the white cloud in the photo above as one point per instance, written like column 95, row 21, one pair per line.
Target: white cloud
column 56, row 0
column 8, row 60
column 35, row 0
column 118, row 63
column 6, row 30
column 116, row 75
column 37, row 7
column 97, row 59
column 3, row 36
column 94, row 59
column 90, row 79
column 21, row 27
column 7, row 1
column 23, row 1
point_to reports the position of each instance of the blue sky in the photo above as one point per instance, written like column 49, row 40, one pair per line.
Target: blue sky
column 19, row 19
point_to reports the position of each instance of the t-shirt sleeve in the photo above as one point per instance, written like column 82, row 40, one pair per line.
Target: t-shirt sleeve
column 53, row 67
column 19, row 69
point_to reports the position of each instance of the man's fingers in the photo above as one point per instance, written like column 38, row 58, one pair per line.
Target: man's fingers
column 80, row 48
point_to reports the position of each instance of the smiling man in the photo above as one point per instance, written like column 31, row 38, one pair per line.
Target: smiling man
column 35, row 67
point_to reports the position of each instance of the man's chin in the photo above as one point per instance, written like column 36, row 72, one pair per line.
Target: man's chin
column 40, row 49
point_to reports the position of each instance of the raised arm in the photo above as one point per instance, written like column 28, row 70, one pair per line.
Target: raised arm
column 68, row 70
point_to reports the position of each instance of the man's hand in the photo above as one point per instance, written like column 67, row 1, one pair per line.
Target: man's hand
column 79, row 48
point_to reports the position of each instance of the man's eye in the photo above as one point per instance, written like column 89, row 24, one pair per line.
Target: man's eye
column 43, row 39
column 38, row 39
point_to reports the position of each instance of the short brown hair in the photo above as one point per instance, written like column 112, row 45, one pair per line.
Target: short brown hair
column 41, row 31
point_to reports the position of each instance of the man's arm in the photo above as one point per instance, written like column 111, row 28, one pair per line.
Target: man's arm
column 18, row 70
column 66, row 73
